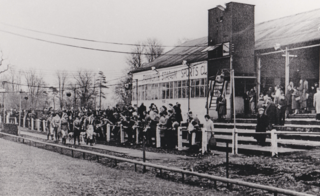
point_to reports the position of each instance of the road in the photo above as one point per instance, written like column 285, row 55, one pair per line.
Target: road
column 26, row 170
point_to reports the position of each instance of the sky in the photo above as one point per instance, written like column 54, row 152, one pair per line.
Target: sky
column 120, row 21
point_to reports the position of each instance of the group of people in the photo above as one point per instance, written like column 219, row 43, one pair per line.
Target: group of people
column 91, row 125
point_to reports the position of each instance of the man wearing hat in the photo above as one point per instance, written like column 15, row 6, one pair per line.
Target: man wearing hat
column 262, row 124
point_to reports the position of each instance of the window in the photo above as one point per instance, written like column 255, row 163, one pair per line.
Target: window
column 170, row 90
column 134, row 93
column 163, row 90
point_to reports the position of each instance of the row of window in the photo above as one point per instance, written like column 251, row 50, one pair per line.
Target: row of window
column 171, row 90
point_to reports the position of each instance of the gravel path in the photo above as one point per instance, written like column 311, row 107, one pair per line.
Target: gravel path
column 26, row 170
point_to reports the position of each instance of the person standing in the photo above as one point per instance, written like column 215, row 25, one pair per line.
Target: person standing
column 270, row 112
column 316, row 103
column 281, row 110
column 76, row 129
column 48, row 127
column 288, row 97
column 221, row 106
column 253, row 101
column 246, row 100
column 295, row 100
column 262, row 124
column 209, row 126
column 178, row 114
column 55, row 124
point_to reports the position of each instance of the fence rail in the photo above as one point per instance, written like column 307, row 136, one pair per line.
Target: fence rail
column 173, row 169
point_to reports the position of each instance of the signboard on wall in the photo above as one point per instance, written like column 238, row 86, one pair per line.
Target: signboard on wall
column 174, row 74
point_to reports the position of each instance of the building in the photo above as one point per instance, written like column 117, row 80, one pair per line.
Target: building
column 166, row 79
column 261, row 55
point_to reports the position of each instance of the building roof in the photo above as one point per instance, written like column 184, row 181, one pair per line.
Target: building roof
column 190, row 51
column 299, row 28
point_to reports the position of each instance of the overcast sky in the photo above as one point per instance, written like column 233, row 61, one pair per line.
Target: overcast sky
column 123, row 21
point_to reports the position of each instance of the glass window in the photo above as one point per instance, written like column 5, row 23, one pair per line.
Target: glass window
column 163, row 90
column 197, row 88
column 156, row 91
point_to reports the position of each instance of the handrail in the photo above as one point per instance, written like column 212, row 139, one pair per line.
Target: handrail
column 212, row 177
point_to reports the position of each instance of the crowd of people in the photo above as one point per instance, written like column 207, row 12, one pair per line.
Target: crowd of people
column 274, row 105
column 91, row 124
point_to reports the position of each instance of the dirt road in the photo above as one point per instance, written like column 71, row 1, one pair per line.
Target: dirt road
column 26, row 170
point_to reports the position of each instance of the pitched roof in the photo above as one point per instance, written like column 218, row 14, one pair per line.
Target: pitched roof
column 190, row 51
column 299, row 28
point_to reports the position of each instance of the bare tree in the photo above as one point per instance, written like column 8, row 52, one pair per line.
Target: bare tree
column 135, row 59
column 153, row 49
column 35, row 86
column 86, row 91
column 2, row 59
column 62, row 77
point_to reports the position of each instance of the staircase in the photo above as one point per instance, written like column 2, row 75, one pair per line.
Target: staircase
column 290, row 141
column 214, row 88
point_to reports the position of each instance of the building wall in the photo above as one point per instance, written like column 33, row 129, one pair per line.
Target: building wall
column 161, row 87
column 273, row 67
column 235, row 25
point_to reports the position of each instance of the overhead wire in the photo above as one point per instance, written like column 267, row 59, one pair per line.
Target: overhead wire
column 95, row 49
column 88, row 40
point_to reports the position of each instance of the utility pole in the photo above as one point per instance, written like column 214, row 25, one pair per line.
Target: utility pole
column 287, row 68
column 100, row 95
column 4, row 119
column 74, row 95
column 189, row 86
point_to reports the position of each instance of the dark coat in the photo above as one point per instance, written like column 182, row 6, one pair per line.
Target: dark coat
column 178, row 115
column 262, row 123
column 271, row 112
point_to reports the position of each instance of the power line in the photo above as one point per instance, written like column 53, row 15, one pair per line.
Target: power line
column 88, row 40
column 94, row 49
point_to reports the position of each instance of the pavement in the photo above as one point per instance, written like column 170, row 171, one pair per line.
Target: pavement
column 126, row 151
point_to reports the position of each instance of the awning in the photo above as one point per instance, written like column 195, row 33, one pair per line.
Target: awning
column 210, row 48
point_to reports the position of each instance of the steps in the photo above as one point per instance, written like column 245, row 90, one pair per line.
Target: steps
column 287, row 142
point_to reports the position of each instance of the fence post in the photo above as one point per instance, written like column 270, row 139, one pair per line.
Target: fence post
column 15, row 120
column 38, row 124
column 108, row 132
column 158, row 137
column 137, row 135
column 204, row 140
column 179, row 138
column 32, row 124
column 235, row 142
column 24, row 122
column 121, row 134
column 44, row 125
column 232, row 141
column 193, row 138
column 0, row 119
column 274, row 143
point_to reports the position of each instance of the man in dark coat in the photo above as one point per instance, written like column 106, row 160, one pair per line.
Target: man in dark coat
column 142, row 111
column 271, row 111
column 262, row 124
column 178, row 115
column 281, row 110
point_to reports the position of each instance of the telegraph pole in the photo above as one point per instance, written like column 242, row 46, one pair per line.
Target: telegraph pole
column 287, row 68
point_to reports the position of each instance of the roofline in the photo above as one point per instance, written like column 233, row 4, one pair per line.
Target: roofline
column 286, row 16
column 232, row 2
column 149, row 68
